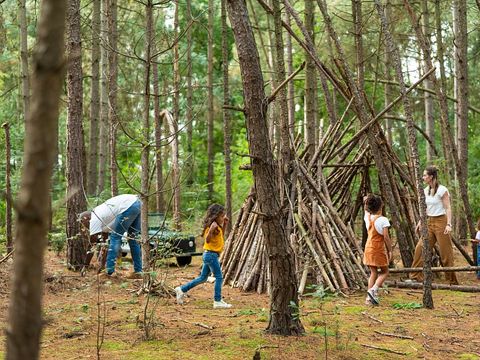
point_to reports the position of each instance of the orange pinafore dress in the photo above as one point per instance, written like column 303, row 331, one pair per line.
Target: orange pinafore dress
column 375, row 252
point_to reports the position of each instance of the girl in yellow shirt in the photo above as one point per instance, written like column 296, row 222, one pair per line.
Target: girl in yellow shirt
column 213, row 225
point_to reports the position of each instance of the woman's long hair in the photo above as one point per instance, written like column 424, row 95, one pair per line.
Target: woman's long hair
column 433, row 172
column 212, row 213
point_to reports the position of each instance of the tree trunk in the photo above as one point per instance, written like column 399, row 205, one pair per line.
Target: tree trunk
column 310, row 84
column 428, row 98
column 144, row 158
column 25, row 314
column 387, row 87
column 227, row 130
column 412, row 139
column 190, row 161
column 112, row 93
column 461, row 94
column 173, row 128
column 173, row 123
column 94, row 102
column 22, row 16
column 283, row 288
column 76, row 203
column 358, row 33
column 104, row 128
column 8, row 189
column 210, row 113
column 290, row 85
column 158, row 121
column 443, row 81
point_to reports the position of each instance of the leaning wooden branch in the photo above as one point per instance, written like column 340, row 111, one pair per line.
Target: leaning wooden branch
column 435, row 269
column 284, row 82
column 405, row 285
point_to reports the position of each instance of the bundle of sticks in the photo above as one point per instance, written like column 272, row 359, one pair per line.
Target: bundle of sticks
column 325, row 246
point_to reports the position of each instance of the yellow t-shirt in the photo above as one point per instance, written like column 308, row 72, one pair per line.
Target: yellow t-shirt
column 216, row 242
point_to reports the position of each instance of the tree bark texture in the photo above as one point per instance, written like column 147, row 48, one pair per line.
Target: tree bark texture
column 112, row 93
column 144, row 157
column 227, row 127
column 92, row 174
column 8, row 189
column 25, row 76
column 103, row 126
column 428, row 98
column 283, row 291
column 310, row 83
column 461, row 94
column 25, row 315
column 210, row 113
column 190, row 161
column 173, row 126
column 158, row 121
column 76, row 202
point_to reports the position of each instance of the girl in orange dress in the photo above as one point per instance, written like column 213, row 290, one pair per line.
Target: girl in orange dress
column 378, row 249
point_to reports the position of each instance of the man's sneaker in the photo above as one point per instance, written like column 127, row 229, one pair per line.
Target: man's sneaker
column 104, row 276
column 180, row 295
column 221, row 305
column 135, row 275
column 372, row 294
column 211, row 279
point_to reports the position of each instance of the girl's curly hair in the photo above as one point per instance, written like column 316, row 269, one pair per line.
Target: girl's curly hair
column 212, row 213
column 373, row 203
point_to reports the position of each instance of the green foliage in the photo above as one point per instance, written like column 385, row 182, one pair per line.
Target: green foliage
column 411, row 305
column 57, row 242
column 319, row 292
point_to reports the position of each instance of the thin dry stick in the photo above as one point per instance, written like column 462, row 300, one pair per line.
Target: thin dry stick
column 7, row 256
column 394, row 335
column 371, row 317
column 196, row 323
column 384, row 349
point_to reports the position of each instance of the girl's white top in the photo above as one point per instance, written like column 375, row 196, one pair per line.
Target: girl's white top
column 434, row 203
column 381, row 223
column 104, row 215
column 477, row 237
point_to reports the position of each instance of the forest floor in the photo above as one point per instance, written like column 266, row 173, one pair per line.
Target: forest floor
column 337, row 327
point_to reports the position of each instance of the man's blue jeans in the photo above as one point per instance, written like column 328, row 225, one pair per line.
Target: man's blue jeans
column 210, row 264
column 128, row 221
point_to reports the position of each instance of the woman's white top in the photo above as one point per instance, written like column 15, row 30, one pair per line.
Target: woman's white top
column 434, row 203
column 381, row 223
column 104, row 215
column 477, row 237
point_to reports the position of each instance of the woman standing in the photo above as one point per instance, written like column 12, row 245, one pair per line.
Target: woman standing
column 439, row 221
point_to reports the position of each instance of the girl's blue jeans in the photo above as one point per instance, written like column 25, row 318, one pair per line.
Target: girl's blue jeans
column 128, row 221
column 210, row 264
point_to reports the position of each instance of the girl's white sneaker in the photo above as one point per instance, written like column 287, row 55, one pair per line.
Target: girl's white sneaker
column 221, row 305
column 180, row 295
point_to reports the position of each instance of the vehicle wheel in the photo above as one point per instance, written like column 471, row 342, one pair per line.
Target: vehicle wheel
column 184, row 260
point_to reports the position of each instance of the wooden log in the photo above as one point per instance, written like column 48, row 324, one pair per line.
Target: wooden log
column 435, row 269
column 405, row 285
